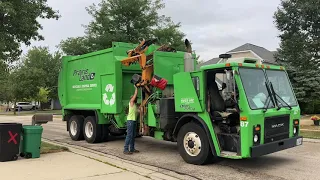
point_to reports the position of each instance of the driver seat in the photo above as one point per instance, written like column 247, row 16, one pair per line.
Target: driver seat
column 218, row 105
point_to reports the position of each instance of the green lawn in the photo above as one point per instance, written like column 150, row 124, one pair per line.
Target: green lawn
column 27, row 113
column 50, row 148
column 312, row 127
column 310, row 134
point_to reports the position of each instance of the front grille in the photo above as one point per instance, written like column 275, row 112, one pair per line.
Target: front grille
column 276, row 128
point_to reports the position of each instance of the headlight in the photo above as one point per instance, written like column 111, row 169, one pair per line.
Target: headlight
column 256, row 134
column 295, row 127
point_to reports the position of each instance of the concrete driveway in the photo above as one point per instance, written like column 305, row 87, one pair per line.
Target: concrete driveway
column 298, row 163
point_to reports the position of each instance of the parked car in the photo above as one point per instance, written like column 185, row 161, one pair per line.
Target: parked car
column 25, row 106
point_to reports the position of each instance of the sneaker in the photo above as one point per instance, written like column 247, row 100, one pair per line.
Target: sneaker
column 127, row 152
column 134, row 151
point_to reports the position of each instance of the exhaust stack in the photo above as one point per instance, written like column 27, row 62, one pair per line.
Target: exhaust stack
column 189, row 64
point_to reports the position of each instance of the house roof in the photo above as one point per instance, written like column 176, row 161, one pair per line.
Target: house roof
column 266, row 55
column 211, row 61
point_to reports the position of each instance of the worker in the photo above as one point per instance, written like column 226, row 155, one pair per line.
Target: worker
column 131, row 124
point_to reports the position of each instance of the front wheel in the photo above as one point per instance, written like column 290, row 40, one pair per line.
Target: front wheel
column 193, row 144
column 91, row 130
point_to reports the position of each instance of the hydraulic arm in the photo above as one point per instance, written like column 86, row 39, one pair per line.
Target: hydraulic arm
column 138, row 55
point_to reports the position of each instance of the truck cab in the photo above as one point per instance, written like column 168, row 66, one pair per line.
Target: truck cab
column 246, row 109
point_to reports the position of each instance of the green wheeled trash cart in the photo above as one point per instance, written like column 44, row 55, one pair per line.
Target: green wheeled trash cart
column 31, row 141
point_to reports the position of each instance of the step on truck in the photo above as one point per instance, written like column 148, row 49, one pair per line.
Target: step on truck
column 238, row 108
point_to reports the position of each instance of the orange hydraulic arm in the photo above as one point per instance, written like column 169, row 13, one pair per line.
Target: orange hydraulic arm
column 138, row 55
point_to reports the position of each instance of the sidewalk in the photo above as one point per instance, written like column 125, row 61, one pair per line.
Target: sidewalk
column 145, row 171
column 81, row 164
column 64, row 165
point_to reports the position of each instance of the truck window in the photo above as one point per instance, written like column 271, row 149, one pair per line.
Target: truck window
column 254, row 85
column 281, row 86
column 196, row 84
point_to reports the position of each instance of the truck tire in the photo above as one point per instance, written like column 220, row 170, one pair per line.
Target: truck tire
column 91, row 130
column 138, row 135
column 193, row 144
column 75, row 127
column 105, row 133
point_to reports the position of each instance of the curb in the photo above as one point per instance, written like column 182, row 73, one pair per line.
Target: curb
column 147, row 171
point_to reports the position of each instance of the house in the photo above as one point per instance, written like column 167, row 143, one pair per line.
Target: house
column 238, row 54
column 263, row 55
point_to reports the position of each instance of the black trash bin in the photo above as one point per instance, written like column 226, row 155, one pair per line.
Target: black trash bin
column 10, row 134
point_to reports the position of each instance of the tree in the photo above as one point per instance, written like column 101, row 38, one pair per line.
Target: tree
column 75, row 46
column 49, row 64
column 299, row 24
column 25, row 83
column 124, row 21
column 5, row 92
column 19, row 24
column 42, row 95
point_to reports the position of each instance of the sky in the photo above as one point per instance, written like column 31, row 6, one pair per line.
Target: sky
column 213, row 26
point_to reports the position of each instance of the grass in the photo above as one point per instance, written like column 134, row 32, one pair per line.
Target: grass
column 310, row 131
column 312, row 127
column 50, row 148
column 27, row 113
column 310, row 134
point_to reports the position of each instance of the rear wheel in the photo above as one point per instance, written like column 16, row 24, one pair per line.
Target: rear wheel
column 91, row 130
column 75, row 127
column 193, row 144
column 105, row 132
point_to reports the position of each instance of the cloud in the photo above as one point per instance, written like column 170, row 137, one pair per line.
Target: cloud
column 214, row 27
column 218, row 26
column 73, row 16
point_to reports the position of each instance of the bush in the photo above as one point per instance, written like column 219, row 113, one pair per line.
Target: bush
column 310, row 108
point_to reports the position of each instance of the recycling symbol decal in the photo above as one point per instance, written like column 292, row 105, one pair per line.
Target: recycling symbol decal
column 110, row 98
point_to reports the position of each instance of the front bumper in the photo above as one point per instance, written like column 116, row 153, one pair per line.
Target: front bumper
column 264, row 149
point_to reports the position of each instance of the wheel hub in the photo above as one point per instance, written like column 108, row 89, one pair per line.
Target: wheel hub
column 73, row 128
column 192, row 143
column 89, row 129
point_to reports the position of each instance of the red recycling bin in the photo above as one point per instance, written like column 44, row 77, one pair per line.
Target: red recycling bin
column 9, row 141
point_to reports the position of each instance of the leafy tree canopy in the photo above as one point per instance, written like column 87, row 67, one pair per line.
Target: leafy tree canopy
column 19, row 24
column 49, row 64
column 299, row 24
column 124, row 21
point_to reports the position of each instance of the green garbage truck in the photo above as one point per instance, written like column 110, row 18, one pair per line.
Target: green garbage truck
column 238, row 108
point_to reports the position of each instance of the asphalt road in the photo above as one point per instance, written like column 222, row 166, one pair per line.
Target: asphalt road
column 298, row 163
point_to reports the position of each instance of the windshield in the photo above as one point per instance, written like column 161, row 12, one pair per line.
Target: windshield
column 255, row 88
column 281, row 85
column 254, row 83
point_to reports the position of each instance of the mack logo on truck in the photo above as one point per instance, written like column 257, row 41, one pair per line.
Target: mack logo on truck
column 277, row 125
column 84, row 75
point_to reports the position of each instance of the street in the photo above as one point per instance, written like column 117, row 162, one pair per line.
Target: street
column 298, row 163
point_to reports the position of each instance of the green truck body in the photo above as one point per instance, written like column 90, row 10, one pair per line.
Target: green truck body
column 263, row 116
